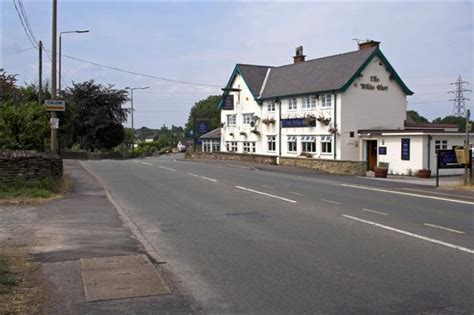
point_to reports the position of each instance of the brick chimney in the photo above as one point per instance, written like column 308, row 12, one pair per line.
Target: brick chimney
column 368, row 44
column 298, row 57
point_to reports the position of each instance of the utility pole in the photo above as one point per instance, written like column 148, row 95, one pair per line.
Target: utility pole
column 459, row 99
column 466, row 146
column 40, row 78
column 54, row 132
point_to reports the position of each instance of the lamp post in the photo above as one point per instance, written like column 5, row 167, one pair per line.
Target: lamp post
column 60, row 52
column 131, row 107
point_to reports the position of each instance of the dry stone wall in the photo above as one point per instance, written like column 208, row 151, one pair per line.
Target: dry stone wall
column 27, row 165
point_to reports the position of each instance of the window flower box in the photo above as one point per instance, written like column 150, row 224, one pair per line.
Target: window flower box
column 268, row 121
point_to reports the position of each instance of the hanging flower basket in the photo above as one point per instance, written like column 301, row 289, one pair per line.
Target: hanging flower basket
column 268, row 121
column 333, row 130
column 310, row 120
column 243, row 133
column 231, row 134
column 324, row 120
column 256, row 132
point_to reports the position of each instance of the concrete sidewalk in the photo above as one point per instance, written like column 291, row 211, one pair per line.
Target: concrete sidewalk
column 84, row 229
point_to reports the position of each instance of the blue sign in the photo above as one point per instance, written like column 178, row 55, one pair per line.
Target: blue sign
column 228, row 102
column 293, row 123
column 405, row 149
column 382, row 150
column 448, row 159
column 203, row 127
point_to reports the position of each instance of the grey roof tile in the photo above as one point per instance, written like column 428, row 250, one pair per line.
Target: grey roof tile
column 254, row 75
column 213, row 134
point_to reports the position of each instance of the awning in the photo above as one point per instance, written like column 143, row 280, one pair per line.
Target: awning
column 326, row 138
column 308, row 139
column 291, row 138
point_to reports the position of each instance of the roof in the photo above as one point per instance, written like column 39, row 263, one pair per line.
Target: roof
column 213, row 134
column 327, row 74
column 427, row 131
column 432, row 126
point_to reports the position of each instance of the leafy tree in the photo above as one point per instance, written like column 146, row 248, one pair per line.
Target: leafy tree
column 94, row 115
column 459, row 121
column 417, row 117
column 205, row 108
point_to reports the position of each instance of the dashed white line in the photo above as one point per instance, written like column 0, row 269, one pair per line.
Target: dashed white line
column 408, row 194
column 146, row 163
column 265, row 194
column 464, row 249
column 374, row 211
column 203, row 177
column 167, row 168
column 443, row 228
column 191, row 174
column 331, row 201
column 295, row 193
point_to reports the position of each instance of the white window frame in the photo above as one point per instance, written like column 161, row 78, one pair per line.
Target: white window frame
column 271, row 143
column 247, row 118
column 292, row 144
column 292, row 103
column 326, row 100
column 232, row 120
column 271, row 106
column 326, row 145
column 441, row 144
column 249, row 147
column 233, row 146
column 308, row 142
column 215, row 146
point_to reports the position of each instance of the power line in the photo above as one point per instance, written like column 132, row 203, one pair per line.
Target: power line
column 141, row 74
column 8, row 53
column 28, row 35
column 27, row 21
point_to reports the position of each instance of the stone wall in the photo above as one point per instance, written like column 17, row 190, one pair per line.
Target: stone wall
column 256, row 158
column 358, row 168
column 27, row 165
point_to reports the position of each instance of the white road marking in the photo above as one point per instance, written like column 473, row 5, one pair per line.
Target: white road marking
column 167, row 168
column 464, row 249
column 408, row 194
column 331, row 201
column 295, row 193
column 265, row 194
column 443, row 228
column 146, row 163
column 203, row 177
column 378, row 212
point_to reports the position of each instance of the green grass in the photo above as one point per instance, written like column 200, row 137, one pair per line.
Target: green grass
column 7, row 279
column 40, row 188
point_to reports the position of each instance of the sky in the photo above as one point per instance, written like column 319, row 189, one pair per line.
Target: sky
column 428, row 43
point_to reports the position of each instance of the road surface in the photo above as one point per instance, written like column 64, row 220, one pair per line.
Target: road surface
column 243, row 240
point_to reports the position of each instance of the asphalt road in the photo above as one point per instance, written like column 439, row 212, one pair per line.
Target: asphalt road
column 243, row 240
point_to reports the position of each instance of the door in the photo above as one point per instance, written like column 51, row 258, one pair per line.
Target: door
column 371, row 154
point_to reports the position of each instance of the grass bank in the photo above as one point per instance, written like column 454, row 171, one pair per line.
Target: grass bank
column 38, row 189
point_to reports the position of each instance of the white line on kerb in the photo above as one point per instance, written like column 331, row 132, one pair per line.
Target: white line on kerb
column 374, row 211
column 295, row 193
column 464, row 249
column 408, row 194
column 167, row 168
column 265, row 194
column 331, row 201
column 443, row 228
column 146, row 163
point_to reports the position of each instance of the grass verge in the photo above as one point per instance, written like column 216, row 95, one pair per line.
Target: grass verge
column 33, row 190
column 7, row 279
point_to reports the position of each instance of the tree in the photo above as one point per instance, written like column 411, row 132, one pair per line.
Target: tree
column 459, row 121
column 417, row 117
column 205, row 108
column 94, row 116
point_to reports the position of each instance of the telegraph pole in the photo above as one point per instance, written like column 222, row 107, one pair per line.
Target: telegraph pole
column 54, row 133
column 459, row 99
column 466, row 146
column 40, row 79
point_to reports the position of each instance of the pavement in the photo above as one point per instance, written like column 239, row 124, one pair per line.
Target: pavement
column 92, row 263
column 266, row 239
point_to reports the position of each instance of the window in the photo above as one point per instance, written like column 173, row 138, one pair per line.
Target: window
column 292, row 104
column 313, row 101
column 231, row 146
column 231, row 120
column 351, row 134
column 308, row 143
column 216, row 146
column 326, row 100
column 326, row 144
column 206, row 146
column 247, row 118
column 249, row 147
column 271, row 142
column 441, row 145
column 271, row 106
column 309, row 102
column 292, row 144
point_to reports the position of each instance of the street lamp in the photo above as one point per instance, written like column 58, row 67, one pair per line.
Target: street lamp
column 60, row 52
column 131, row 105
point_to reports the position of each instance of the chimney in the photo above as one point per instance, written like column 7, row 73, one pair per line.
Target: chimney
column 368, row 44
column 298, row 57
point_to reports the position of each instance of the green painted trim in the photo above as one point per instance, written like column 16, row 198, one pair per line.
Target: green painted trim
column 377, row 52
column 229, row 84
column 301, row 94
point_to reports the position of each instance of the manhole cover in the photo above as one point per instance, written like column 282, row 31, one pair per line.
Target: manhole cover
column 119, row 277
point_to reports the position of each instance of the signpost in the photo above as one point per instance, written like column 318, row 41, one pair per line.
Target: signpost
column 55, row 105
column 54, row 123
column 447, row 159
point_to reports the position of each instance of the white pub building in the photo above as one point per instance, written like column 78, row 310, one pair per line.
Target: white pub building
column 350, row 106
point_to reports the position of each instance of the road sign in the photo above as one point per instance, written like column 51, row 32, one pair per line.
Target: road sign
column 56, row 105
column 54, row 123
